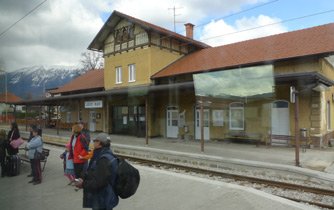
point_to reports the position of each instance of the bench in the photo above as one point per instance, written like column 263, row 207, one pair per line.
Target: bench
column 24, row 157
column 242, row 135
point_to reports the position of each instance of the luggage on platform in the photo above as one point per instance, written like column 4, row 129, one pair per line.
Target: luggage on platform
column 13, row 163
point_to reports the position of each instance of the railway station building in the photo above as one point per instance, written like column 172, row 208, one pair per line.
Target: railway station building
column 159, row 83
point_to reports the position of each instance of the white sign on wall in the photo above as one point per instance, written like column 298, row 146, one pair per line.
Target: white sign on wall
column 93, row 104
column 218, row 117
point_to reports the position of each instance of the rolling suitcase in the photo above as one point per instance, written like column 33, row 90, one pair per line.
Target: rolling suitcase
column 13, row 163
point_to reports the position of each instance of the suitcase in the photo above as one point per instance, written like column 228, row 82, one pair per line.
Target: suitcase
column 13, row 164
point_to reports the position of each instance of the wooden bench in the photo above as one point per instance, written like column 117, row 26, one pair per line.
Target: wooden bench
column 241, row 135
column 24, row 157
column 286, row 140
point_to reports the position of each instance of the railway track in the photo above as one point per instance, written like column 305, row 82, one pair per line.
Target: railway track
column 265, row 182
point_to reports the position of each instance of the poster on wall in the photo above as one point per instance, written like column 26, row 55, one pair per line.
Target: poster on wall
column 218, row 117
column 182, row 119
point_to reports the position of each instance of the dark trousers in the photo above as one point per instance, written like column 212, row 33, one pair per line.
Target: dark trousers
column 2, row 160
column 36, row 170
column 79, row 170
column 31, row 166
column 3, row 168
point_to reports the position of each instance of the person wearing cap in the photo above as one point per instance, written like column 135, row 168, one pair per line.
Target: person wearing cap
column 79, row 148
column 96, row 180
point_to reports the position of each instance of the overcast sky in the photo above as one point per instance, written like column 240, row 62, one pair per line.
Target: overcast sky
column 60, row 30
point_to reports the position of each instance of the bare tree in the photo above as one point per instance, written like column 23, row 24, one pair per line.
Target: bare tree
column 92, row 60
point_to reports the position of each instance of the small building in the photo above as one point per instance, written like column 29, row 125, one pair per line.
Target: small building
column 77, row 103
column 7, row 109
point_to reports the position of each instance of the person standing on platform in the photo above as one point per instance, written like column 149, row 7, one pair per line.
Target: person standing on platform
column 84, row 131
column 79, row 148
column 33, row 146
column 68, row 164
column 97, row 191
column 14, row 133
column 31, row 127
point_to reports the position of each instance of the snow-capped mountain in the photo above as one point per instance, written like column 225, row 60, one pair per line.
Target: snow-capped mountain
column 31, row 82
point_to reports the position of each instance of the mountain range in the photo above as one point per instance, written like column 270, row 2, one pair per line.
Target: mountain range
column 32, row 82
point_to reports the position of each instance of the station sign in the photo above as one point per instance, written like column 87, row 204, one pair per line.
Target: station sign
column 93, row 104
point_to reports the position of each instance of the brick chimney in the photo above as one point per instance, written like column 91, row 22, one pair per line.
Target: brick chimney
column 189, row 30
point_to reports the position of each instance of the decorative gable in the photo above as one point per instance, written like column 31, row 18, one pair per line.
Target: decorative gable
column 123, row 32
column 124, row 37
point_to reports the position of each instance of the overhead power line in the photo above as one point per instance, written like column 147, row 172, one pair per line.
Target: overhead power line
column 237, row 13
column 270, row 24
column 31, row 11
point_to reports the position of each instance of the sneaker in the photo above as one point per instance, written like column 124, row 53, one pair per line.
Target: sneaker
column 30, row 175
column 31, row 181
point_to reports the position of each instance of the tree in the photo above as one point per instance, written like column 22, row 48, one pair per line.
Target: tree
column 92, row 60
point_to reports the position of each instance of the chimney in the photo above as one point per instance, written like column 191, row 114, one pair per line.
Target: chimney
column 189, row 30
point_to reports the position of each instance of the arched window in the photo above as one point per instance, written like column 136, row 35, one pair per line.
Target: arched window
column 237, row 116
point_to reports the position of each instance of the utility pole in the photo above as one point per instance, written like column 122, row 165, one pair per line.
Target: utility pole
column 294, row 99
column 174, row 16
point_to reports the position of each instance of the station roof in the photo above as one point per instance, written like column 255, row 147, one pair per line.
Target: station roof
column 306, row 42
column 304, row 79
column 9, row 98
column 91, row 80
column 141, row 90
column 98, row 42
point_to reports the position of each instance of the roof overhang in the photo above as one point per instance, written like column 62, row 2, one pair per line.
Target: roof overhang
column 131, row 91
column 311, row 79
column 303, row 79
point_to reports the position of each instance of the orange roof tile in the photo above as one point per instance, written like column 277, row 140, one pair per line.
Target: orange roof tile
column 311, row 41
column 90, row 80
column 11, row 98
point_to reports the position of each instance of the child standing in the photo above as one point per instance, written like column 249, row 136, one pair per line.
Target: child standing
column 68, row 165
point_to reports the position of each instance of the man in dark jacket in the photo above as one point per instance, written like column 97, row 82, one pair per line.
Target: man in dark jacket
column 101, row 175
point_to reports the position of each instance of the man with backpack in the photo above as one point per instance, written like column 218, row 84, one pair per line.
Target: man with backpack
column 98, row 192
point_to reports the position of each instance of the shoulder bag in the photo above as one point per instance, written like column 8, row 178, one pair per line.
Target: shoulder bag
column 16, row 143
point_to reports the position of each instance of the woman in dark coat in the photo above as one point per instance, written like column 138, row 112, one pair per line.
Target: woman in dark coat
column 14, row 133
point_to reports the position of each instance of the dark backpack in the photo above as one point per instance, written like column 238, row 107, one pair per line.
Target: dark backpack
column 127, row 177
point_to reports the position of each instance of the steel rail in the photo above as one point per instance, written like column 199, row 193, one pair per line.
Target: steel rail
column 271, row 183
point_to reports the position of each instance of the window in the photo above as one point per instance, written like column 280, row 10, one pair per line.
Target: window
column 68, row 117
column 132, row 73
column 236, row 116
column 118, row 75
